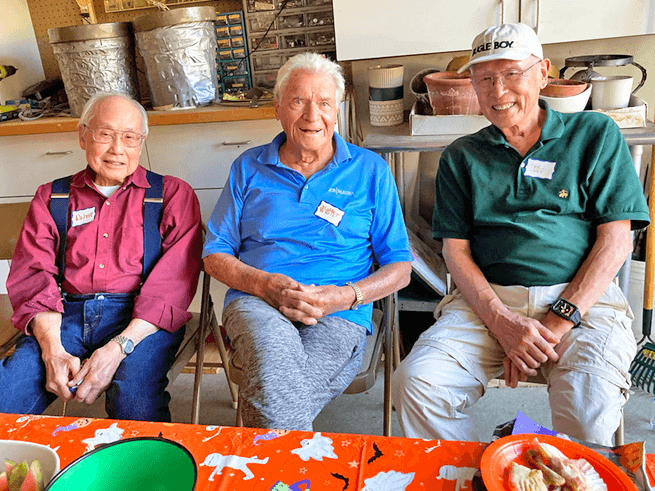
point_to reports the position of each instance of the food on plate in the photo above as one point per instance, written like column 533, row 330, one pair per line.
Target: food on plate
column 21, row 477
column 552, row 478
column 557, row 472
column 522, row 478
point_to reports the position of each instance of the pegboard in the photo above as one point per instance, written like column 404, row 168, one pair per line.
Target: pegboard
column 63, row 13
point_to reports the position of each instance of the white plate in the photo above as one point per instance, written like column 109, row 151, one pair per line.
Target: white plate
column 28, row 451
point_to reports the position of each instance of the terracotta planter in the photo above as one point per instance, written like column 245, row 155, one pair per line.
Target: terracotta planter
column 560, row 87
column 451, row 93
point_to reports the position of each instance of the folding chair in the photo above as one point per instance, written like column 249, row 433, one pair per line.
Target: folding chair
column 11, row 221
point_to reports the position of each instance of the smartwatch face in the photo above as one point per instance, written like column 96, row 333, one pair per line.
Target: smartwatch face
column 565, row 308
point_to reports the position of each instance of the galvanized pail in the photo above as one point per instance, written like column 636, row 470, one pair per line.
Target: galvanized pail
column 179, row 51
column 95, row 58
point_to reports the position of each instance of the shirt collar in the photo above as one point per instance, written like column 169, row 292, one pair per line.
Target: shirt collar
column 85, row 178
column 272, row 154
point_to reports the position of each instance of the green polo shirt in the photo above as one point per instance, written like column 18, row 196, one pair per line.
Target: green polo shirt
column 532, row 221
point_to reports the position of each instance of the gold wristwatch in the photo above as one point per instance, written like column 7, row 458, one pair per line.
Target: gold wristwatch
column 359, row 298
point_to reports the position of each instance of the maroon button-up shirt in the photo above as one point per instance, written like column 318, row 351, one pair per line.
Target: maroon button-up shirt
column 104, row 251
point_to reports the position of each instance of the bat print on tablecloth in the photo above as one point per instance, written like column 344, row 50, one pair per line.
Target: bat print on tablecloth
column 343, row 478
column 376, row 455
column 220, row 461
column 316, row 448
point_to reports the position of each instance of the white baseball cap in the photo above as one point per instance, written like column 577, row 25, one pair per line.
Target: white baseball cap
column 504, row 42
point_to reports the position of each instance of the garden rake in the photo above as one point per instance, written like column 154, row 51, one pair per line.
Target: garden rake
column 642, row 368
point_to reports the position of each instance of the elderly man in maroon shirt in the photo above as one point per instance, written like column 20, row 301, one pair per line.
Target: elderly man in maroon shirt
column 101, row 321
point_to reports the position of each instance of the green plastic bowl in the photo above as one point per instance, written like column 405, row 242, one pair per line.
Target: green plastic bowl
column 146, row 464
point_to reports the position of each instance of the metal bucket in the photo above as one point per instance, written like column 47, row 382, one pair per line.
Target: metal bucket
column 95, row 58
column 179, row 51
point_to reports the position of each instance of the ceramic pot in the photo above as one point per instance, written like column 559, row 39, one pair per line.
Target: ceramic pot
column 385, row 90
column 451, row 93
column 420, row 91
column 611, row 92
column 560, row 87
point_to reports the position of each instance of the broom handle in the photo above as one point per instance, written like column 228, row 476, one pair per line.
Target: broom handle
column 649, row 275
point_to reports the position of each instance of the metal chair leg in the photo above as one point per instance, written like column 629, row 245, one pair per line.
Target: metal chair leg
column 239, row 421
column 619, row 437
column 200, row 347
column 224, row 361
column 389, row 318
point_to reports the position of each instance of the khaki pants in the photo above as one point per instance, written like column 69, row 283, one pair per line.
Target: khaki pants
column 450, row 365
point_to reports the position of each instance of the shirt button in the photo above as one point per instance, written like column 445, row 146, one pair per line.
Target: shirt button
column 101, row 266
column 107, row 203
column 523, row 165
column 105, row 235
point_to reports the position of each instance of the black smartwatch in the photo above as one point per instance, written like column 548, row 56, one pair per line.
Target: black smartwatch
column 566, row 310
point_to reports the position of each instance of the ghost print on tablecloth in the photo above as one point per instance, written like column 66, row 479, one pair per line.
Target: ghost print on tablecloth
column 317, row 448
column 388, row 481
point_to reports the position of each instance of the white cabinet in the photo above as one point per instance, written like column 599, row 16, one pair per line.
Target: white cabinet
column 385, row 28
column 199, row 153
column 366, row 29
column 202, row 153
column 26, row 161
column 559, row 21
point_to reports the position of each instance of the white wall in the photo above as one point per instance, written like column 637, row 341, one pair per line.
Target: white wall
column 18, row 47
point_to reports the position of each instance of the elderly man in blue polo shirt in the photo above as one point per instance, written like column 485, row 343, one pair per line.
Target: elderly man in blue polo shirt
column 294, row 235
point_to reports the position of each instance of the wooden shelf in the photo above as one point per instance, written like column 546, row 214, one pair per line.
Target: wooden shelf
column 208, row 114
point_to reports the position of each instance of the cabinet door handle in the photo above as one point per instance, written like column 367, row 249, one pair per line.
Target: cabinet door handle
column 502, row 11
column 65, row 152
column 537, row 24
column 246, row 142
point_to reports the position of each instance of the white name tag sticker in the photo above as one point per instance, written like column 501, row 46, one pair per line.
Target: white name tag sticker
column 328, row 212
column 80, row 217
column 541, row 169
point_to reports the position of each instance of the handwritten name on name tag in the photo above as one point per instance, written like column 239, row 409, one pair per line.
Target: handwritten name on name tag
column 328, row 212
column 80, row 217
column 541, row 169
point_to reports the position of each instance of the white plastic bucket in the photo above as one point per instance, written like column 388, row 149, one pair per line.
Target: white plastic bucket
column 636, row 295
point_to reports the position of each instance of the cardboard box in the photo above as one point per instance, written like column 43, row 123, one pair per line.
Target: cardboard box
column 421, row 124
column 633, row 116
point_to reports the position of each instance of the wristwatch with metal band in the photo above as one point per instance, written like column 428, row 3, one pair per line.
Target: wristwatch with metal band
column 126, row 344
column 359, row 298
column 566, row 310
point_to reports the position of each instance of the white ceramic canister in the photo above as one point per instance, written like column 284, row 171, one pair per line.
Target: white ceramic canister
column 385, row 91
column 610, row 92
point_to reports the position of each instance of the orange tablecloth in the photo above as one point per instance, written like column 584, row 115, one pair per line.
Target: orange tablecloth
column 232, row 459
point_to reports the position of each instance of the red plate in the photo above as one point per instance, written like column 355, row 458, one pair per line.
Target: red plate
column 498, row 456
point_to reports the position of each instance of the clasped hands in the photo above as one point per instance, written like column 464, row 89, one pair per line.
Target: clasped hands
column 305, row 303
column 92, row 377
column 528, row 344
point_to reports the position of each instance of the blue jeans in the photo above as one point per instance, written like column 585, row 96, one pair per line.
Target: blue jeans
column 138, row 390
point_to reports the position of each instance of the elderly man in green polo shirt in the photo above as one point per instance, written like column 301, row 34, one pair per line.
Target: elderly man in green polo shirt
column 535, row 213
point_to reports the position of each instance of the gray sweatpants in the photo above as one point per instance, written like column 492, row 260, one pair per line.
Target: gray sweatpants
column 290, row 371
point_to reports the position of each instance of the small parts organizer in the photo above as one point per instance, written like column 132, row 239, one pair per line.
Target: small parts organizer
column 293, row 26
column 232, row 54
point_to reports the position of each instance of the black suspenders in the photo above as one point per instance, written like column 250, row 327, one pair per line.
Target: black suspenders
column 152, row 213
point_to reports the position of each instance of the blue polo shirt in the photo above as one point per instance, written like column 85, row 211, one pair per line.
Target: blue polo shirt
column 328, row 229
